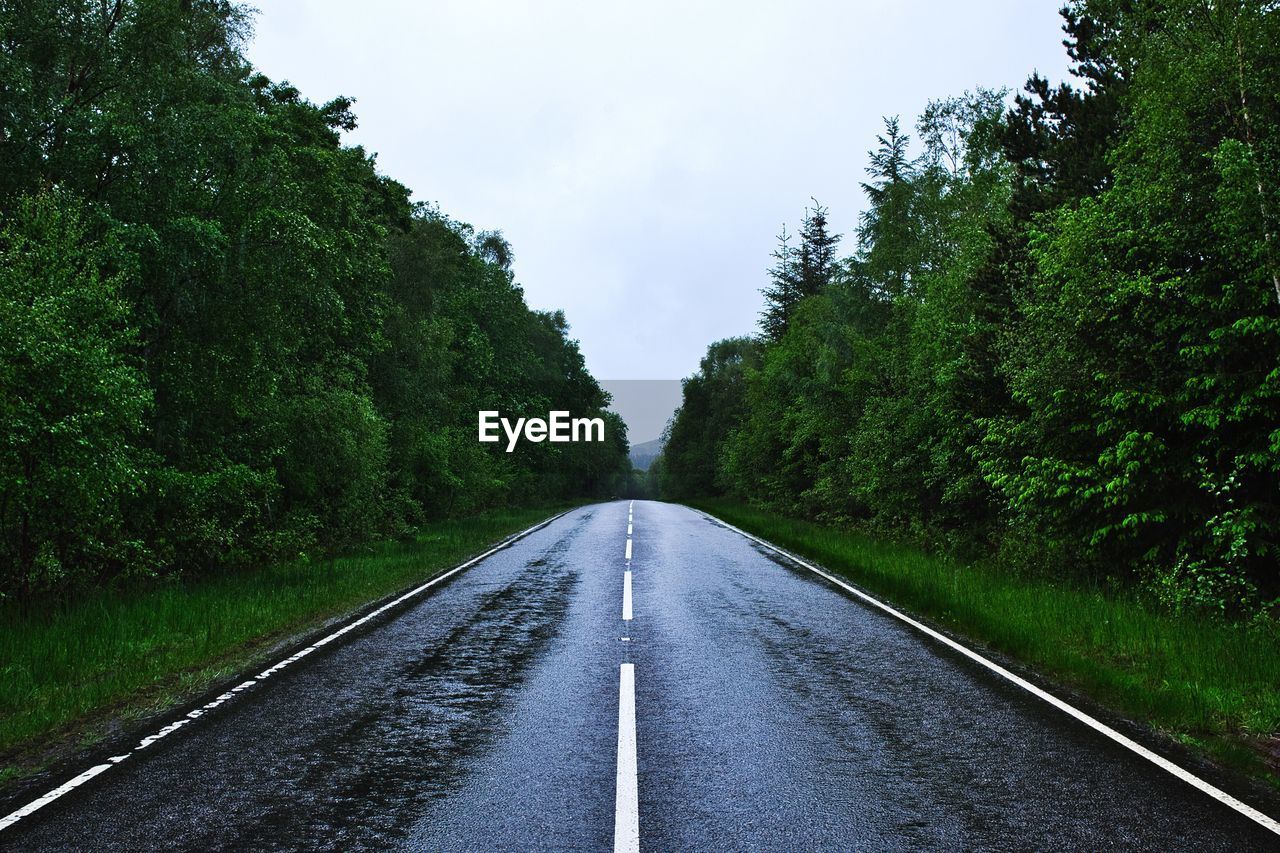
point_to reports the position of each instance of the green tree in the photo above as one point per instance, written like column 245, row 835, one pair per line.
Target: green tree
column 783, row 291
column 711, row 409
column 890, row 247
column 800, row 272
column 72, row 410
column 314, row 347
column 1145, row 367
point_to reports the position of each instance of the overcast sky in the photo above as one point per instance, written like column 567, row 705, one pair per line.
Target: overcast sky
column 640, row 157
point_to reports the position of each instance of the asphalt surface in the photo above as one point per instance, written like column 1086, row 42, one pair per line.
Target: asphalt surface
column 773, row 711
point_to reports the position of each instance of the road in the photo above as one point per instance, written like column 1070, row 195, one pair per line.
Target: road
column 746, row 704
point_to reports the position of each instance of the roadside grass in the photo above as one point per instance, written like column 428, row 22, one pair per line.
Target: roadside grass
column 127, row 652
column 1208, row 684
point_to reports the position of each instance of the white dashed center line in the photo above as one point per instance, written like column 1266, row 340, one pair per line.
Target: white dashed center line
column 626, row 820
column 626, row 823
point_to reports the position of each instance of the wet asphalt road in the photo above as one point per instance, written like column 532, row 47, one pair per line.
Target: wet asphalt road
column 772, row 710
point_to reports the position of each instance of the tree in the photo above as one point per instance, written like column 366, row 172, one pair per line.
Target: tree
column 890, row 248
column 312, row 347
column 1057, row 336
column 800, row 272
column 816, row 263
column 711, row 409
column 784, row 290
column 72, row 411
column 1146, row 362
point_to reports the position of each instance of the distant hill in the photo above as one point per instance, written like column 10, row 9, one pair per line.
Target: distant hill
column 643, row 454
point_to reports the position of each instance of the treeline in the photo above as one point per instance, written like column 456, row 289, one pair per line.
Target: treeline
column 224, row 337
column 1056, row 340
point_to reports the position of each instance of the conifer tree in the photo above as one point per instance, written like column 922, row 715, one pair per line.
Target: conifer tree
column 798, row 272
column 817, row 255
column 783, row 292
column 887, row 232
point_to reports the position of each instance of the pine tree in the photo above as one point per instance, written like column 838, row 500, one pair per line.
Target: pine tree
column 890, row 248
column 798, row 272
column 784, row 290
column 817, row 255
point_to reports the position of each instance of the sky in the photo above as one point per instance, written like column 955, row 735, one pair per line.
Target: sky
column 642, row 157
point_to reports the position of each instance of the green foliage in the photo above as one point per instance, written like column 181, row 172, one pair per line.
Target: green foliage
column 1057, row 339
column 74, row 399
column 711, row 408
column 798, row 272
column 1144, row 360
column 227, row 338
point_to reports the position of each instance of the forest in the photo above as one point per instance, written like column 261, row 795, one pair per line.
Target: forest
column 225, row 338
column 1053, row 342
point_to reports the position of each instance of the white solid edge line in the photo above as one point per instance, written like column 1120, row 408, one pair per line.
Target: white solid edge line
column 628, row 547
column 626, row 821
column 1097, row 725
column 626, row 595
column 42, row 801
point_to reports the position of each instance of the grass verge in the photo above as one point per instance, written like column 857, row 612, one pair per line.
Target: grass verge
column 67, row 670
column 1209, row 685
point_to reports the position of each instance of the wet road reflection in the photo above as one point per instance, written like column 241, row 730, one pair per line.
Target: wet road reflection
column 772, row 712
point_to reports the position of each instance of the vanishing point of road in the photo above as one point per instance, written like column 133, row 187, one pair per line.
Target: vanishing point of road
column 633, row 674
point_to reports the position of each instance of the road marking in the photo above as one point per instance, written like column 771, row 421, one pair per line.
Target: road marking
column 628, row 527
column 628, row 547
column 626, row 821
column 72, row 784
column 65, row 788
column 626, row 595
column 1092, row 722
